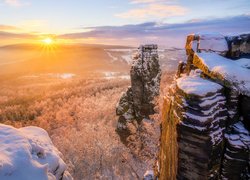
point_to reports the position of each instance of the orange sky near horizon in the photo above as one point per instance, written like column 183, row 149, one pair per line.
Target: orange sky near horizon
column 119, row 22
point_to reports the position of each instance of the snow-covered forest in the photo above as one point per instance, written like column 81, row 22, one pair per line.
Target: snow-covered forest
column 78, row 112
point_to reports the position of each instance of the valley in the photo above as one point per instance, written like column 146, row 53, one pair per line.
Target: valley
column 73, row 97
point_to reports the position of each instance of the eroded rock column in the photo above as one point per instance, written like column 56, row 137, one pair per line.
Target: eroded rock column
column 138, row 101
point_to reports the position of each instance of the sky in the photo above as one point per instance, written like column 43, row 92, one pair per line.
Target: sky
column 118, row 21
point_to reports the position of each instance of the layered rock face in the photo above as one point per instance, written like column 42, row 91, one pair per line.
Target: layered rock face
column 236, row 157
column 205, row 118
column 202, row 116
column 238, row 46
column 138, row 101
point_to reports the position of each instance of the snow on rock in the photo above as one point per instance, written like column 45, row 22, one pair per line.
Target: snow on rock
column 28, row 153
column 243, row 62
column 124, row 107
column 197, row 86
column 212, row 42
column 206, row 42
column 138, row 102
column 227, row 71
column 198, row 108
column 205, row 119
column 145, row 81
column 236, row 158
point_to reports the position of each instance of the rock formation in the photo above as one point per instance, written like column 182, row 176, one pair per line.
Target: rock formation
column 236, row 158
column 138, row 102
column 28, row 153
column 205, row 118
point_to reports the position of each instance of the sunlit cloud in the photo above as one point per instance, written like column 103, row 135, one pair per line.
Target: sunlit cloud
column 13, row 2
column 151, row 1
column 151, row 11
column 8, row 28
column 161, row 33
column 10, row 35
column 195, row 20
column 144, row 1
column 133, row 34
column 16, row 3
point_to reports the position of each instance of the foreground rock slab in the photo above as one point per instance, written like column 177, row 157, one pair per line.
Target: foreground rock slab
column 28, row 153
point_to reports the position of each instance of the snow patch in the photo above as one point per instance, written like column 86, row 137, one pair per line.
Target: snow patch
column 114, row 75
column 127, row 58
column 120, row 54
column 111, row 56
column 51, row 75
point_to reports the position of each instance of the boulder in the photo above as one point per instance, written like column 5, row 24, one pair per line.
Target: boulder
column 28, row 153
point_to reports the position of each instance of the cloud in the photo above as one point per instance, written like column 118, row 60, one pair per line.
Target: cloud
column 144, row 1
column 169, row 35
column 8, row 28
column 161, row 33
column 151, row 1
column 15, row 3
column 151, row 11
column 8, row 38
column 10, row 35
column 14, row 35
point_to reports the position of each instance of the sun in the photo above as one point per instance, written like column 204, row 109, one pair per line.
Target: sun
column 48, row 41
column 48, row 44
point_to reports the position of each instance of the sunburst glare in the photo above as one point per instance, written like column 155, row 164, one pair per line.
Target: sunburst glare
column 48, row 41
column 48, row 45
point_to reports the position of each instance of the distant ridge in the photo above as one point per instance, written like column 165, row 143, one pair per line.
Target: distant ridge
column 33, row 46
